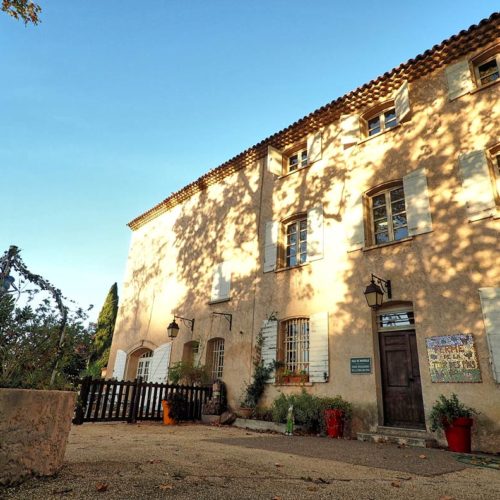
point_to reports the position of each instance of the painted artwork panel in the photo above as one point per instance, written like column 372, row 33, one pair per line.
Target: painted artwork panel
column 453, row 358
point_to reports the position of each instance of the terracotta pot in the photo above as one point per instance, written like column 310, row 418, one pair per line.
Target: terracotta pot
column 458, row 435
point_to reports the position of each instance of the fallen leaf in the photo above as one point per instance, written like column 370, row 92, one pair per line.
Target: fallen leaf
column 277, row 498
column 155, row 461
column 422, row 456
column 166, row 486
column 101, row 486
column 62, row 492
column 396, row 484
column 312, row 488
column 446, row 497
column 278, row 465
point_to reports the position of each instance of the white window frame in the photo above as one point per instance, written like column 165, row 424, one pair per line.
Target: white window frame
column 217, row 352
column 302, row 160
column 295, row 335
column 143, row 366
column 386, row 192
column 299, row 223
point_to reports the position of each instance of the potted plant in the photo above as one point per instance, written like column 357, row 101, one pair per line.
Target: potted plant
column 455, row 419
column 336, row 412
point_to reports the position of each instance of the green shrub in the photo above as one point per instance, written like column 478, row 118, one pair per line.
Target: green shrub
column 445, row 410
column 186, row 373
column 308, row 410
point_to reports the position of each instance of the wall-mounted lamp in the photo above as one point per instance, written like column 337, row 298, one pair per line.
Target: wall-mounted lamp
column 228, row 316
column 173, row 328
column 374, row 292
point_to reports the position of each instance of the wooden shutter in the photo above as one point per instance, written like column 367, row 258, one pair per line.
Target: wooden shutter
column 271, row 246
column 490, row 304
column 418, row 211
column 477, row 185
column 158, row 369
column 269, row 344
column 350, row 129
column 221, row 284
column 354, row 220
column 459, row 79
column 120, row 363
column 274, row 161
column 402, row 102
column 314, row 147
column 318, row 347
column 315, row 233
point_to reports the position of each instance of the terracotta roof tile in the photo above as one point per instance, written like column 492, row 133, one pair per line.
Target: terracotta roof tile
column 466, row 41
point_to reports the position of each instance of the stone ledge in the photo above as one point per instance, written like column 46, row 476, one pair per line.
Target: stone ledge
column 419, row 442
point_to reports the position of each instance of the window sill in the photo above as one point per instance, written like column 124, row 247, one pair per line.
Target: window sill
column 388, row 244
column 281, row 269
column 366, row 139
column 298, row 384
column 486, row 86
column 220, row 301
column 295, row 171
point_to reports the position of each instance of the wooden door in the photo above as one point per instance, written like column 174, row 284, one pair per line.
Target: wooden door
column 401, row 387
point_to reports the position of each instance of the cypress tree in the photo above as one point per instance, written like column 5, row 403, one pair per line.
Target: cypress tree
column 105, row 328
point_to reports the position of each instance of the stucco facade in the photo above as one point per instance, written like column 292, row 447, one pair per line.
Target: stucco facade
column 240, row 213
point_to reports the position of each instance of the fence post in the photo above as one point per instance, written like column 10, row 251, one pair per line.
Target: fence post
column 81, row 401
column 134, row 406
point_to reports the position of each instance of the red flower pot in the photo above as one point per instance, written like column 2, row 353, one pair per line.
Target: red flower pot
column 334, row 420
column 458, row 434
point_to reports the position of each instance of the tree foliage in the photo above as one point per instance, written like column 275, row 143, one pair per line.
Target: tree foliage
column 105, row 328
column 26, row 10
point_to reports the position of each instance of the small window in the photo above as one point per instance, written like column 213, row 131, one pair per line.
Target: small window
column 295, row 349
column 216, row 358
column 296, row 161
column 143, row 366
column 379, row 119
column 487, row 66
column 388, row 215
column 295, row 242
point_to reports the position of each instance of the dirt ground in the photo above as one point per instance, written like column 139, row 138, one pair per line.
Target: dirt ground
column 149, row 461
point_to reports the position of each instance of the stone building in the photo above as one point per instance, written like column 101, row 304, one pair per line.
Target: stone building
column 399, row 179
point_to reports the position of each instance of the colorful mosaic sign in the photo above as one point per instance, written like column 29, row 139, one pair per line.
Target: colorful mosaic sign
column 453, row 358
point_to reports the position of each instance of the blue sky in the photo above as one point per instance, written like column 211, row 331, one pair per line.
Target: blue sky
column 108, row 107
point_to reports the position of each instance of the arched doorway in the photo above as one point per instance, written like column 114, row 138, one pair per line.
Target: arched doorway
column 400, row 371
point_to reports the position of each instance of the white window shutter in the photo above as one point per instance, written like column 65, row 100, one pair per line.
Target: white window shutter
column 318, row 347
column 490, row 305
column 158, row 369
column 354, row 220
column 418, row 211
column 314, row 147
column 271, row 246
column 459, row 79
column 269, row 344
column 120, row 363
column 221, row 284
column 274, row 161
column 402, row 102
column 350, row 129
column 315, row 234
column 477, row 185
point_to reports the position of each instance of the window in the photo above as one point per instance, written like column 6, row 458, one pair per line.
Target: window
column 216, row 358
column 388, row 215
column 383, row 121
column 295, row 347
column 190, row 352
column 296, row 161
column 295, row 242
column 143, row 365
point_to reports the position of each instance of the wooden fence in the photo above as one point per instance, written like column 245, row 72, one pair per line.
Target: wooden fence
column 110, row 400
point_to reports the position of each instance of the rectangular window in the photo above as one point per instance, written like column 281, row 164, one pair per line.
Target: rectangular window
column 389, row 216
column 297, row 160
column 296, row 346
column 383, row 121
column 488, row 71
column 296, row 243
column 217, row 358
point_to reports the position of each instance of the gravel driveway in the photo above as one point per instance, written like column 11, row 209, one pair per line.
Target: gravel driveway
column 121, row 461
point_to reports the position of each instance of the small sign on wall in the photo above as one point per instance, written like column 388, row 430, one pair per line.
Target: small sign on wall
column 453, row 358
column 361, row 365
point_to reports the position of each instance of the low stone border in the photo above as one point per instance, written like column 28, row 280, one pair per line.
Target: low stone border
column 262, row 425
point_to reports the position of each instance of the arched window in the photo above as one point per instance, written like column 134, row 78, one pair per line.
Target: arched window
column 379, row 119
column 190, row 352
column 294, row 347
column 215, row 358
column 143, row 366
